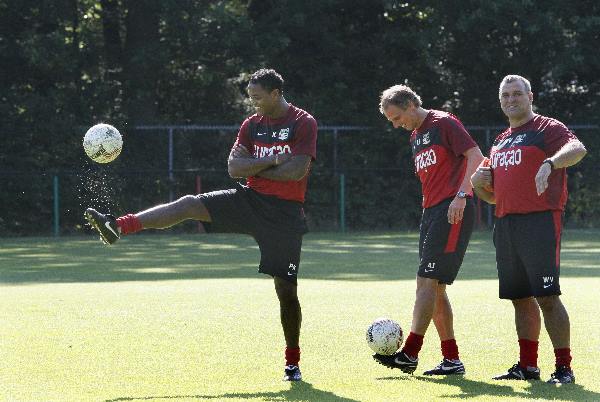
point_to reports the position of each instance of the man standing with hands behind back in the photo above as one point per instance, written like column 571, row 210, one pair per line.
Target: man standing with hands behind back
column 527, row 181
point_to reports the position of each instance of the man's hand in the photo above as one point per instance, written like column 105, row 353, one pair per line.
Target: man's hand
column 239, row 151
column 482, row 178
column 541, row 178
column 282, row 158
column 456, row 209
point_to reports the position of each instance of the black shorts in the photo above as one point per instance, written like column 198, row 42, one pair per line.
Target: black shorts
column 442, row 246
column 277, row 226
column 528, row 254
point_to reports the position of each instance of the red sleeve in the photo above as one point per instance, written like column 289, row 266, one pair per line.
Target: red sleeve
column 457, row 136
column 305, row 142
column 243, row 136
column 556, row 136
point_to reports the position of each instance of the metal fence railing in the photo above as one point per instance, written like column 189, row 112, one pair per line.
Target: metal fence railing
column 362, row 179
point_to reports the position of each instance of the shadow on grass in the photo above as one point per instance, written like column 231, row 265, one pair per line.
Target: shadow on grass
column 326, row 256
column 299, row 391
column 536, row 389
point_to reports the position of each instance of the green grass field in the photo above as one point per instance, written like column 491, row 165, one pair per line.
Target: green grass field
column 161, row 318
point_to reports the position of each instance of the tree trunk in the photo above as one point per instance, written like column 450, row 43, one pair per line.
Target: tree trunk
column 142, row 64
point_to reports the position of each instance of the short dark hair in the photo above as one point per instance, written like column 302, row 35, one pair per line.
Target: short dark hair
column 398, row 95
column 268, row 78
column 514, row 77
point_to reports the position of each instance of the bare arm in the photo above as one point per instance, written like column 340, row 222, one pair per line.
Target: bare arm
column 293, row 169
column 474, row 158
column 457, row 206
column 241, row 164
column 570, row 154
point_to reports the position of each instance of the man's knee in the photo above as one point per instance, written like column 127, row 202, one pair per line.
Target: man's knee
column 426, row 287
column 189, row 201
column 526, row 302
column 286, row 291
column 549, row 303
column 193, row 207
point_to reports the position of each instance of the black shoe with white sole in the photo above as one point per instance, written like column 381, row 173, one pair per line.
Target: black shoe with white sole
column 447, row 367
column 517, row 372
column 399, row 360
column 292, row 373
column 562, row 375
column 105, row 225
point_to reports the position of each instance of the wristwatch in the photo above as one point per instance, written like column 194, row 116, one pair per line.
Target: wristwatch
column 461, row 194
column 549, row 162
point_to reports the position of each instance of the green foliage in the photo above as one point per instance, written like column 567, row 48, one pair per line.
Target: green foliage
column 69, row 64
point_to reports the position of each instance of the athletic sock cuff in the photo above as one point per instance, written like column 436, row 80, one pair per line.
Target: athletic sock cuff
column 129, row 224
column 413, row 345
column 528, row 353
column 292, row 356
column 450, row 349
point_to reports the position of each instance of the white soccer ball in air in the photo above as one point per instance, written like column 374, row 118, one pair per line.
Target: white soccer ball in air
column 384, row 336
column 102, row 143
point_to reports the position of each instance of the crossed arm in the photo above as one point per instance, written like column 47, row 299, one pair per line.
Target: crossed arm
column 279, row 167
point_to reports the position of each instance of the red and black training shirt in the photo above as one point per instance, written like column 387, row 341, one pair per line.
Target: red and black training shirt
column 295, row 133
column 516, row 157
column 438, row 146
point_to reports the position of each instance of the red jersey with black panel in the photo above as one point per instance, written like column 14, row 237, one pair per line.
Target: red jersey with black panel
column 438, row 146
column 516, row 157
column 295, row 133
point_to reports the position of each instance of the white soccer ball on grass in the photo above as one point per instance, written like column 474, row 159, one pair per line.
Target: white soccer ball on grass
column 384, row 336
column 102, row 143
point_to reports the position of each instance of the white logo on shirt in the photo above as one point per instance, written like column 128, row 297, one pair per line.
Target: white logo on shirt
column 261, row 152
column 425, row 159
column 519, row 139
column 511, row 157
column 284, row 133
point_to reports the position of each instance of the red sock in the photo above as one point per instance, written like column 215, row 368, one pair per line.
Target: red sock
column 292, row 356
column 450, row 349
column 563, row 357
column 129, row 224
column 413, row 344
column 528, row 353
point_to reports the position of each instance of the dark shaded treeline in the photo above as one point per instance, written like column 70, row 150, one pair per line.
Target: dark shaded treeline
column 67, row 64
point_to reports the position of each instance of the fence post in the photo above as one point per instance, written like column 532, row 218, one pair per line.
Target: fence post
column 56, row 205
column 342, row 203
column 170, row 164
column 489, row 206
column 199, row 191
column 335, row 150
column 336, row 195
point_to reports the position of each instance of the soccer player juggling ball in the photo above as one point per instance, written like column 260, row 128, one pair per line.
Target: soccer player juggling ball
column 273, row 151
column 525, row 177
column 445, row 156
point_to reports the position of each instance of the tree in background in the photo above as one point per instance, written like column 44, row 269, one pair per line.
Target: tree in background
column 70, row 63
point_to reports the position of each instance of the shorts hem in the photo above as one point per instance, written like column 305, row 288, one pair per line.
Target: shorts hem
column 289, row 278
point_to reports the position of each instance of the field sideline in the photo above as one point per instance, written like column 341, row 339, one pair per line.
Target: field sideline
column 184, row 318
